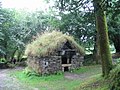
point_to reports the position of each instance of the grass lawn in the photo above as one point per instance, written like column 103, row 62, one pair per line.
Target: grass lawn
column 52, row 82
column 91, row 75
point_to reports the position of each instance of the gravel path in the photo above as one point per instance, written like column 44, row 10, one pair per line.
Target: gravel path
column 73, row 76
column 10, row 83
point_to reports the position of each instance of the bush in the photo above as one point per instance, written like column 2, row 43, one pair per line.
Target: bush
column 116, row 61
column 3, row 63
column 88, row 60
column 115, row 78
column 22, row 64
column 59, row 73
column 10, row 65
column 3, row 60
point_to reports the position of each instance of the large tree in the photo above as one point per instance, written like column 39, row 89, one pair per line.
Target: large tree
column 101, row 26
column 17, row 28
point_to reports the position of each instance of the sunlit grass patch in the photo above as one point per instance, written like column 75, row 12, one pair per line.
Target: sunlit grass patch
column 88, row 69
column 51, row 82
column 31, row 79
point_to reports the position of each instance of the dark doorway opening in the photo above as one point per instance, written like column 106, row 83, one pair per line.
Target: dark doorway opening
column 64, row 60
column 66, row 69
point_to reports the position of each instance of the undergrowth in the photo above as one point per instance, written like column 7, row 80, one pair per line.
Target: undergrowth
column 96, row 82
column 115, row 78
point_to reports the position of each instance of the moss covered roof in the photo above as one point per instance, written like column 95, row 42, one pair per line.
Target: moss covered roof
column 47, row 43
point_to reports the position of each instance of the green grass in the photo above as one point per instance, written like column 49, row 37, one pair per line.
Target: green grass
column 35, row 79
column 95, row 69
column 52, row 82
column 59, row 82
column 97, row 82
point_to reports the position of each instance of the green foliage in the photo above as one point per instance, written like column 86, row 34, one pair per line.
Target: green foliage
column 3, row 60
column 27, row 71
column 59, row 73
column 116, row 61
column 115, row 78
column 47, row 43
column 17, row 28
column 77, row 20
column 11, row 65
column 81, row 25
column 5, row 24
column 88, row 60
column 114, row 30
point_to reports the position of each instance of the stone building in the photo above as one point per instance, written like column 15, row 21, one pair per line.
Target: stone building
column 53, row 52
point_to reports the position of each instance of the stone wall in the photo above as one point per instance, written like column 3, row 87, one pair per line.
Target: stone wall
column 34, row 64
column 76, row 61
column 46, row 65
column 52, row 64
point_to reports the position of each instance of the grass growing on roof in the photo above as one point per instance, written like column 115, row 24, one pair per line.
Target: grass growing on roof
column 47, row 43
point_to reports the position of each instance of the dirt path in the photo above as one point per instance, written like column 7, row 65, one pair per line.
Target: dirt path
column 73, row 76
column 10, row 83
column 83, row 76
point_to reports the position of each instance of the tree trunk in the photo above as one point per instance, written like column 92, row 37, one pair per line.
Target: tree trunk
column 13, row 54
column 101, row 24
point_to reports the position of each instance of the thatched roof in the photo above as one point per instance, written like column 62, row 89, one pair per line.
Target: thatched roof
column 47, row 43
